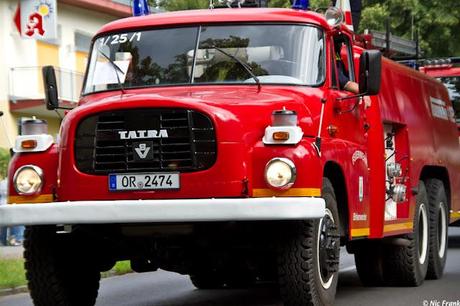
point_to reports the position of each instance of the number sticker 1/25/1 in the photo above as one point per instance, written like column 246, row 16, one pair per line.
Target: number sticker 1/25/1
column 117, row 39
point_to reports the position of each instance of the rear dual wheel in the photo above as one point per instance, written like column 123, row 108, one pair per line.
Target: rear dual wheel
column 407, row 265
column 438, row 228
column 425, row 254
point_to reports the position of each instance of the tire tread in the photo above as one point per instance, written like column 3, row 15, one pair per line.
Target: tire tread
column 436, row 193
column 55, row 275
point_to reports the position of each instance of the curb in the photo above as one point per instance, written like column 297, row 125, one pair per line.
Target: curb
column 15, row 290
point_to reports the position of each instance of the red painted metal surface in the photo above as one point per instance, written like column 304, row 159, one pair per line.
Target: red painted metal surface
column 441, row 71
column 47, row 161
column 240, row 114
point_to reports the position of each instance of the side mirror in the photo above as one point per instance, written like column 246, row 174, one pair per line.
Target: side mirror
column 370, row 70
column 50, row 84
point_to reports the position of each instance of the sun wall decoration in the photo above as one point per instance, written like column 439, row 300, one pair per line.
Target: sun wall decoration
column 45, row 8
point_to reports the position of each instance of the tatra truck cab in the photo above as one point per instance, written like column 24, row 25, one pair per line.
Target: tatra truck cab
column 219, row 144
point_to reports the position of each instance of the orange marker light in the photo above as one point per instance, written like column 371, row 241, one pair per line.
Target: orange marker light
column 281, row 135
column 29, row 144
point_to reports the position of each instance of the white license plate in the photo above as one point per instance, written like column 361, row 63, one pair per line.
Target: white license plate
column 144, row 181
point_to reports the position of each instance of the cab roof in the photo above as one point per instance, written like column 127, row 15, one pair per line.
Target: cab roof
column 216, row 16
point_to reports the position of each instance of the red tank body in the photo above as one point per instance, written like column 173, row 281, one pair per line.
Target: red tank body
column 380, row 154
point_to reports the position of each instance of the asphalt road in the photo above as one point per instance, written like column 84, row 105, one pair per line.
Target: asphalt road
column 169, row 289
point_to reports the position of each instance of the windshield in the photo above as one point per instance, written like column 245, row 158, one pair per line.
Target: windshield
column 276, row 54
column 453, row 87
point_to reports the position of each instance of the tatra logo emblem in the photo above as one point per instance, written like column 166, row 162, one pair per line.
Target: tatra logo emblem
column 143, row 151
column 143, row 134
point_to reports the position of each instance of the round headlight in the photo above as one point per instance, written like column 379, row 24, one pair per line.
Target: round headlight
column 280, row 173
column 28, row 180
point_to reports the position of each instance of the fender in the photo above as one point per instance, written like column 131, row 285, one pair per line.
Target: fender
column 47, row 161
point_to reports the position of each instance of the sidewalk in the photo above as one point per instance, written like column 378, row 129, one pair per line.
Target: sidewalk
column 11, row 252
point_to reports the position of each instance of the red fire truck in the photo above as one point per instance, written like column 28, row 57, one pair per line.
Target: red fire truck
column 219, row 144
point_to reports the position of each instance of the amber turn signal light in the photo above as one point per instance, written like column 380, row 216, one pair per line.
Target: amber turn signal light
column 280, row 135
column 29, row 144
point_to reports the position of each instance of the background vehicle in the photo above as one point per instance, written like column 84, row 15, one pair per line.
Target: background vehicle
column 447, row 71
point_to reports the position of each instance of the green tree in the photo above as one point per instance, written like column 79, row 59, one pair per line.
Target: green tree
column 178, row 5
column 4, row 160
column 286, row 3
column 437, row 22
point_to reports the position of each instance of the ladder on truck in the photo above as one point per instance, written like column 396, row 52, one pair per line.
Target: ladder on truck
column 392, row 46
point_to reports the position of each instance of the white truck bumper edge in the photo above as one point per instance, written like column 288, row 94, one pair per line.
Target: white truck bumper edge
column 148, row 211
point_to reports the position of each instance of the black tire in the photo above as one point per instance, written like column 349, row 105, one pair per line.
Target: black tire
column 438, row 228
column 407, row 265
column 369, row 263
column 57, row 270
column 308, row 257
column 207, row 280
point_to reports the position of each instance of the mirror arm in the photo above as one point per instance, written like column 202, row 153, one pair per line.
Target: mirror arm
column 360, row 96
column 353, row 96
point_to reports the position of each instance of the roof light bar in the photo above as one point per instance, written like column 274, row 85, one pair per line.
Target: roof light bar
column 140, row 8
column 301, row 5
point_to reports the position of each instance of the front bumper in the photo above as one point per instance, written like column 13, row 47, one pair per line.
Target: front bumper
column 151, row 211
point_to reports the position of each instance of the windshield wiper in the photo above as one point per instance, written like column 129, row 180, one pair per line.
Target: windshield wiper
column 243, row 64
column 116, row 67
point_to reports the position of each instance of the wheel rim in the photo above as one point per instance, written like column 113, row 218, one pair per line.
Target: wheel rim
column 325, row 245
column 422, row 234
column 442, row 230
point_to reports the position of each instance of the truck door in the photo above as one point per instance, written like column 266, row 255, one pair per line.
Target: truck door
column 349, row 117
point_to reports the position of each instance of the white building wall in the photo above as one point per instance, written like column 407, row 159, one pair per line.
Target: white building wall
column 73, row 20
column 16, row 51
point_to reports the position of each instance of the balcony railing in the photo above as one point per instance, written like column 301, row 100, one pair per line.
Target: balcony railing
column 26, row 84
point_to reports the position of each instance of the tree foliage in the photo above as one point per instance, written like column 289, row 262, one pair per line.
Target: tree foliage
column 437, row 21
column 286, row 3
column 4, row 160
column 177, row 5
